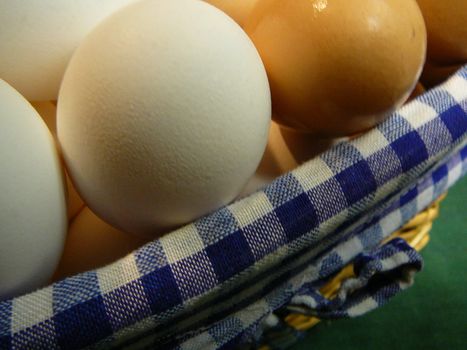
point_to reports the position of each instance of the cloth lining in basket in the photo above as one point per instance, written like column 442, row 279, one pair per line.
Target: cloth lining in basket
column 196, row 267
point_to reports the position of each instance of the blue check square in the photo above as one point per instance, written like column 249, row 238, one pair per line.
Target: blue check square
column 297, row 216
column 76, row 326
column 409, row 196
column 440, row 174
column 410, row 150
column 161, row 289
column 357, row 182
column 455, row 119
column 463, row 154
column 230, row 255
column 5, row 343
column 28, row 338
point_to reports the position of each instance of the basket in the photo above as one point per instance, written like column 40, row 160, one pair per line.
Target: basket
column 416, row 233
column 217, row 282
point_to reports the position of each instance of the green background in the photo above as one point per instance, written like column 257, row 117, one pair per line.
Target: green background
column 432, row 314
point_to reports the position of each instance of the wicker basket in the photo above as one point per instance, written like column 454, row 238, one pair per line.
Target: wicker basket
column 416, row 233
column 210, row 284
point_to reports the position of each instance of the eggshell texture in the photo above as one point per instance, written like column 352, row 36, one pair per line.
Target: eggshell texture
column 48, row 111
column 92, row 243
column 37, row 39
column 337, row 67
column 163, row 114
column 33, row 220
column 239, row 10
column 446, row 23
column 286, row 150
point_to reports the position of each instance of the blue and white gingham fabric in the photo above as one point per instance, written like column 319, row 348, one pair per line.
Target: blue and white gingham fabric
column 211, row 284
column 379, row 275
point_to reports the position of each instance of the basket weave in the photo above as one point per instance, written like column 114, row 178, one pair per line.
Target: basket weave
column 416, row 233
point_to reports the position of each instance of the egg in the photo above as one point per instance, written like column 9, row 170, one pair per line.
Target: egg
column 37, row 39
column 239, row 10
column 33, row 221
column 446, row 23
column 286, row 150
column 337, row 67
column 163, row 114
column 92, row 243
column 48, row 111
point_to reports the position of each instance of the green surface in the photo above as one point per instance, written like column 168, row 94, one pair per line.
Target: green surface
column 432, row 314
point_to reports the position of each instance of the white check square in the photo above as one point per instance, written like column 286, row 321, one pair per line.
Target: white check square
column 454, row 174
column 116, row 275
column 33, row 308
column 391, row 222
column 457, row 88
column 424, row 198
column 182, row 243
column 418, row 113
column 313, row 173
column 251, row 209
column 371, row 143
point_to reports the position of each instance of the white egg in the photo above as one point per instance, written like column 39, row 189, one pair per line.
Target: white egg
column 37, row 39
column 163, row 114
column 33, row 220
column 92, row 243
column 48, row 111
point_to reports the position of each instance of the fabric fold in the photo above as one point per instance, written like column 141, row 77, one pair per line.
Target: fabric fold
column 379, row 276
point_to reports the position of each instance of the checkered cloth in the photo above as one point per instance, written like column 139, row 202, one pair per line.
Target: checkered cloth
column 213, row 283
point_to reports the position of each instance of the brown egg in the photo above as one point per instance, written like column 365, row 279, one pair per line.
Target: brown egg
column 418, row 90
column 92, row 243
column 434, row 75
column 446, row 24
column 337, row 67
column 237, row 9
column 48, row 111
column 285, row 151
